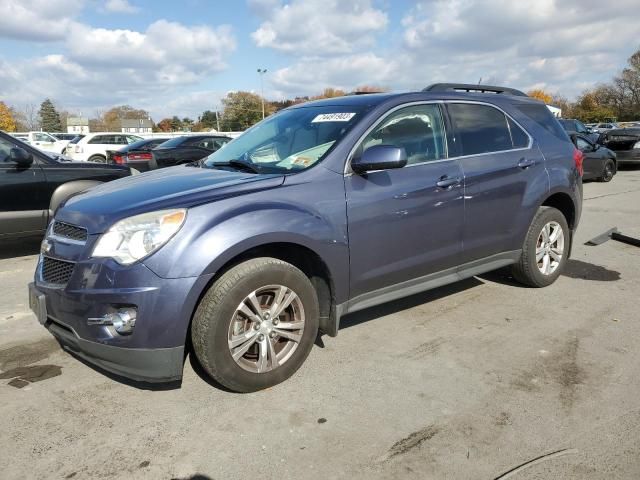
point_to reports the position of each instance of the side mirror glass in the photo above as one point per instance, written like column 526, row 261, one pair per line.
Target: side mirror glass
column 380, row 157
column 21, row 157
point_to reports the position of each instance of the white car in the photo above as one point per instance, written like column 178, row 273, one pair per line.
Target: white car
column 43, row 141
column 93, row 147
column 604, row 127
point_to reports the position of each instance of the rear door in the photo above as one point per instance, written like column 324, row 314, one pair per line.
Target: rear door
column 500, row 165
column 405, row 223
column 23, row 207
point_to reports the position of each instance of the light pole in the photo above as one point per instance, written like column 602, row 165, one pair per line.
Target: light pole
column 261, row 72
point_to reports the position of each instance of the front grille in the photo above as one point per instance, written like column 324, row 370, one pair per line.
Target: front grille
column 66, row 230
column 56, row 271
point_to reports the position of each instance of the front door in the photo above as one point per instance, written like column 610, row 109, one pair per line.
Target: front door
column 405, row 223
column 22, row 206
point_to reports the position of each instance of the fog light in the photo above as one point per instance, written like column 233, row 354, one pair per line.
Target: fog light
column 122, row 321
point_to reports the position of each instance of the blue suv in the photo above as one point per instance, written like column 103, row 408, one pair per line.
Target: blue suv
column 320, row 210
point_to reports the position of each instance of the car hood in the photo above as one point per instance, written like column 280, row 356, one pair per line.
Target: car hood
column 175, row 187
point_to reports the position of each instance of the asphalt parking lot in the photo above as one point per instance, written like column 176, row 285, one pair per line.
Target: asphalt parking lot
column 469, row 381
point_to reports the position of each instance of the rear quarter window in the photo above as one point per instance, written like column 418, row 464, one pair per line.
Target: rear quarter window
column 541, row 115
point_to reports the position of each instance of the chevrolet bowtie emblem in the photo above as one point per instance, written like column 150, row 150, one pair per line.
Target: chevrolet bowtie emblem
column 45, row 246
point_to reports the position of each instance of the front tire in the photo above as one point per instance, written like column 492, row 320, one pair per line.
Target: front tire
column 256, row 324
column 545, row 249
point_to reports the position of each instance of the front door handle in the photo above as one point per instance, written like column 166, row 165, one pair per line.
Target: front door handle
column 448, row 182
column 526, row 163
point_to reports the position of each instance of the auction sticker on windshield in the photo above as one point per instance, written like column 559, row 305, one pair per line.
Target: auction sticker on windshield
column 333, row 117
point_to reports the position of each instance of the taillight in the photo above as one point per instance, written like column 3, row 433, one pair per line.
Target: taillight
column 578, row 158
column 119, row 159
column 140, row 156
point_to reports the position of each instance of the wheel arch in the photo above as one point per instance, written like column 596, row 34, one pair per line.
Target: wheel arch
column 562, row 201
column 67, row 190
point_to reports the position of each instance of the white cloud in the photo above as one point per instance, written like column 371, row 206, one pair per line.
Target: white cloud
column 38, row 20
column 317, row 27
column 560, row 46
column 120, row 6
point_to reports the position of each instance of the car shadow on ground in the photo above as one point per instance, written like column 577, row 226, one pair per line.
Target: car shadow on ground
column 389, row 308
column 19, row 247
column 574, row 269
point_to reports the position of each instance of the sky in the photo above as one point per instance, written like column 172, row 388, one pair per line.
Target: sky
column 181, row 58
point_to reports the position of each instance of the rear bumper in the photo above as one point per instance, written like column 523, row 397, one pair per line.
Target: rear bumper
column 140, row 166
column 628, row 156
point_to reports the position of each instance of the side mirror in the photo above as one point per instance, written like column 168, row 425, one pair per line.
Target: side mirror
column 21, row 157
column 380, row 157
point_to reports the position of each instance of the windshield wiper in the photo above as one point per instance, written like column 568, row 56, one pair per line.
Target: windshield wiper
column 238, row 164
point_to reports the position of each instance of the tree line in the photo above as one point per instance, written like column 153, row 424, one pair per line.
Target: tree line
column 618, row 99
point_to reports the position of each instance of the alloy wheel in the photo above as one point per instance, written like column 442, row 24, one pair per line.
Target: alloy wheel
column 550, row 248
column 266, row 328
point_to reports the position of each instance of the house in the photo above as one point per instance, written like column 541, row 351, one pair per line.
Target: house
column 78, row 125
column 136, row 125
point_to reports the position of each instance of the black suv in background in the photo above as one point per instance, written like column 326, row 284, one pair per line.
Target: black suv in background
column 33, row 183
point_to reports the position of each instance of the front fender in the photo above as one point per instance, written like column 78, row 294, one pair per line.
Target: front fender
column 207, row 242
column 66, row 191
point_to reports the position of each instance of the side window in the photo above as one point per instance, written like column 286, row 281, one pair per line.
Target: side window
column 131, row 139
column 98, row 139
column 480, row 128
column 5, row 151
column 119, row 140
column 418, row 129
column 518, row 137
column 42, row 137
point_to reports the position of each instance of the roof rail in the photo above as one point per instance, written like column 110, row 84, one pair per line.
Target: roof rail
column 467, row 87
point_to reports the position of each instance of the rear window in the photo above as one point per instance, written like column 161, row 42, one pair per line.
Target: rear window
column 543, row 117
column 174, row 142
column 481, row 128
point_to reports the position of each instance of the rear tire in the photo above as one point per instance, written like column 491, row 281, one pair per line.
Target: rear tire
column 608, row 171
column 241, row 336
column 97, row 159
column 545, row 249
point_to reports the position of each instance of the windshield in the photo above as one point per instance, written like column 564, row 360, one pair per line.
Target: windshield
column 291, row 140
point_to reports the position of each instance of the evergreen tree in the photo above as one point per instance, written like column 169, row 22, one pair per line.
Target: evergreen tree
column 49, row 117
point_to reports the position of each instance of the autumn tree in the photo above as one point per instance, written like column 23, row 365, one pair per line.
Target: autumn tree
column 589, row 108
column 7, row 121
column 164, row 125
column 329, row 93
column 242, row 110
column 112, row 117
column 541, row 95
column 209, row 120
column 49, row 117
column 370, row 89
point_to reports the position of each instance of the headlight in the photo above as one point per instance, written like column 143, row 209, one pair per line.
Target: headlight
column 136, row 237
column 636, row 145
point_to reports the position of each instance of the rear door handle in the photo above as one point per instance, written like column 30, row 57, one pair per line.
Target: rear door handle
column 526, row 163
column 448, row 182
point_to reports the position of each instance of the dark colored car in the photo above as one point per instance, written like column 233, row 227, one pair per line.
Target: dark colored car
column 179, row 150
column 599, row 162
column 322, row 209
column 134, row 152
column 571, row 125
column 33, row 183
column 625, row 142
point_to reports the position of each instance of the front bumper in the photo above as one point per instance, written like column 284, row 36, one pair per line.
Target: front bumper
column 154, row 352
column 143, row 365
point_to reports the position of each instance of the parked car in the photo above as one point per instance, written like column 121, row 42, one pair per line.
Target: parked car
column 33, row 183
column 571, row 125
column 321, row 209
column 135, row 151
column 625, row 142
column 43, row 141
column 65, row 136
column 179, row 150
column 599, row 162
column 93, row 146
column 603, row 127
